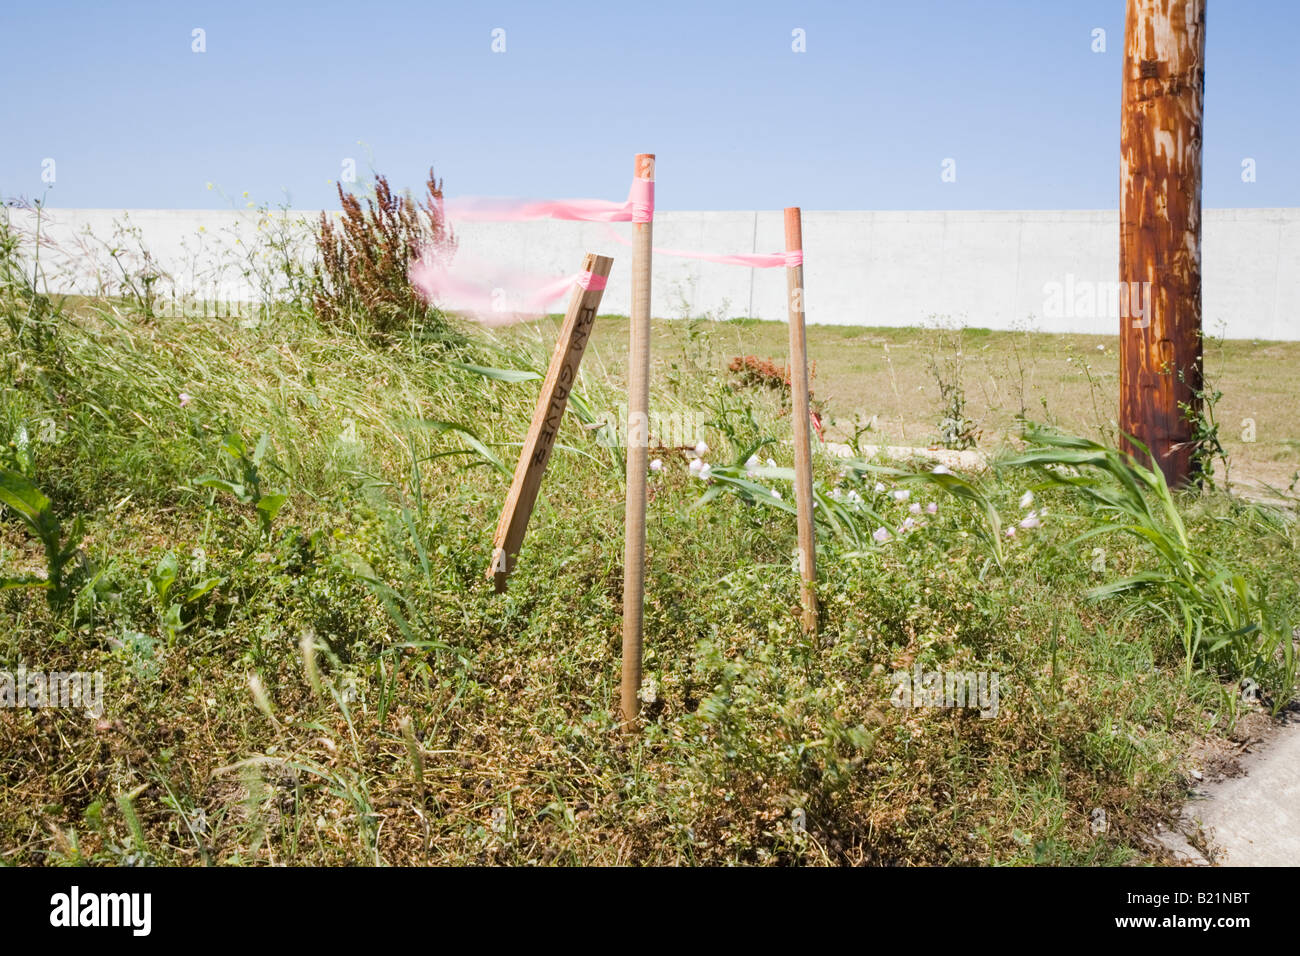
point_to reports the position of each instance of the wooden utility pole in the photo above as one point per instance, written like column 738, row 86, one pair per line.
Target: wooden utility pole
column 638, row 441
column 554, row 398
column 803, row 491
column 1160, row 229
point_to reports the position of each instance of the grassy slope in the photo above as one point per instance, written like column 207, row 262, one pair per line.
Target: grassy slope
column 452, row 725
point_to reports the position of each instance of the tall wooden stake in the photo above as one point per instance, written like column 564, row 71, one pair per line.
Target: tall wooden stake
column 638, row 441
column 803, row 493
column 554, row 397
column 1160, row 228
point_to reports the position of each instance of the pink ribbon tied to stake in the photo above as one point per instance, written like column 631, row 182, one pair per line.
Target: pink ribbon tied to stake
column 497, row 295
column 638, row 207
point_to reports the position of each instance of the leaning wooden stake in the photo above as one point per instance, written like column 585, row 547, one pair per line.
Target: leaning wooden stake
column 803, row 489
column 536, row 453
column 638, row 440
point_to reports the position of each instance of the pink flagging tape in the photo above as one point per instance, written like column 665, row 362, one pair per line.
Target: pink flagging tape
column 642, row 199
column 494, row 296
column 755, row 260
column 513, row 210
column 638, row 207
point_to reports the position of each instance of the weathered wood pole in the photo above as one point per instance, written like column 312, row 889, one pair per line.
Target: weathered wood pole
column 1160, row 228
column 545, row 427
column 638, row 441
column 803, row 488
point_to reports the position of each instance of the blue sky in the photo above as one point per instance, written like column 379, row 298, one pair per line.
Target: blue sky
column 885, row 92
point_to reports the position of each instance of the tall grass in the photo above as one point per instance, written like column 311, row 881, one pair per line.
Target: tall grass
column 329, row 678
column 1223, row 620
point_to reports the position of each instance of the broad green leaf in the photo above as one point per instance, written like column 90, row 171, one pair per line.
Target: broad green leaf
column 22, row 496
column 164, row 576
column 230, row 487
column 202, row 588
column 269, row 506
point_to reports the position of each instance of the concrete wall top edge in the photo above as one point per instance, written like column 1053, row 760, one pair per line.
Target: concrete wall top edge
column 1245, row 210
column 1278, row 214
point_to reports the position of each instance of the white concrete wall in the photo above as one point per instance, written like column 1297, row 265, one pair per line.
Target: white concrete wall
column 989, row 269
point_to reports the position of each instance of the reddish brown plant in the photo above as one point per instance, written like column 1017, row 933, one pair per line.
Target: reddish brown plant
column 361, row 269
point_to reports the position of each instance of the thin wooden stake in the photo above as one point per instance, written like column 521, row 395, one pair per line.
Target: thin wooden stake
column 803, row 492
column 554, row 397
column 638, row 440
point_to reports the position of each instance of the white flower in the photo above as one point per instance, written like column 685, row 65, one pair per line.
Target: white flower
column 908, row 525
column 941, row 470
column 902, row 494
column 915, row 507
column 835, row 494
column 771, row 463
column 656, row 465
column 880, row 536
column 705, row 471
column 1027, row 500
column 1011, row 532
column 932, row 508
column 1101, row 348
column 185, row 398
column 696, row 465
column 1030, row 521
column 753, row 462
column 776, row 494
column 701, row 448
column 880, row 488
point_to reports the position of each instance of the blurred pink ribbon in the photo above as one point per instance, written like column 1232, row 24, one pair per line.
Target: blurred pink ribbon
column 638, row 207
column 754, row 260
column 499, row 296
column 494, row 297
